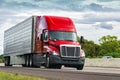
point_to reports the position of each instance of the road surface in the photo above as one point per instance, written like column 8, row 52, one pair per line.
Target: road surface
column 89, row 73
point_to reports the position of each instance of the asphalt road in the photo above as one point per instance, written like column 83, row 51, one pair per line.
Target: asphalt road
column 89, row 73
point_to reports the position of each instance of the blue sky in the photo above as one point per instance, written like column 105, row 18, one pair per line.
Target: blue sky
column 92, row 18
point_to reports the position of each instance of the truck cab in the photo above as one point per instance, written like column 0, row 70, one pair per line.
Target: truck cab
column 59, row 41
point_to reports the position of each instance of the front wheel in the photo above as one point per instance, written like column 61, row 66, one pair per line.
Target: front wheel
column 57, row 66
column 47, row 62
column 49, row 65
column 80, row 67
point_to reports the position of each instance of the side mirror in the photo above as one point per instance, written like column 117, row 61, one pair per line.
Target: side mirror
column 41, row 37
column 82, row 39
column 45, row 36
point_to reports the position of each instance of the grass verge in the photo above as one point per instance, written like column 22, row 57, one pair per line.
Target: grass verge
column 16, row 76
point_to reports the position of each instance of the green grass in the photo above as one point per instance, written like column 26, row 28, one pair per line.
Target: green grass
column 16, row 76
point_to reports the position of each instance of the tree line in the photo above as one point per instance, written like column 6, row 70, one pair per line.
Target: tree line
column 1, row 58
column 108, row 46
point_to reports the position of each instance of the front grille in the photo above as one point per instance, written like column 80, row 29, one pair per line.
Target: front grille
column 70, row 51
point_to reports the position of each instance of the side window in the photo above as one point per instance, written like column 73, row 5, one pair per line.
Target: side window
column 45, row 35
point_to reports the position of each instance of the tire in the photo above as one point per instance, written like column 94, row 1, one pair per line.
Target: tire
column 47, row 62
column 23, row 65
column 26, row 61
column 80, row 67
column 30, row 61
column 7, row 61
column 57, row 66
column 49, row 65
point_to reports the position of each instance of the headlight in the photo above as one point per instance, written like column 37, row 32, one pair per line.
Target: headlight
column 55, row 53
column 82, row 53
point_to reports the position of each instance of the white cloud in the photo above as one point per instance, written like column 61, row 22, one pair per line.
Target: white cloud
column 104, row 25
column 88, row 19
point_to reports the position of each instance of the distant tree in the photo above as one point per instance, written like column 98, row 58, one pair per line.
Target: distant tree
column 109, row 44
column 97, row 49
column 107, row 38
column 1, row 58
column 91, row 49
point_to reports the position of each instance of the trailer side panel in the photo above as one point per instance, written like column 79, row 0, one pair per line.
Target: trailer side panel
column 17, row 40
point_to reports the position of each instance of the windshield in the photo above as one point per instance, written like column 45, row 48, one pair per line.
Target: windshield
column 59, row 35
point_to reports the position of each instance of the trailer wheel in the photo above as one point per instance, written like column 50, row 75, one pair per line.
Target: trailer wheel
column 26, row 61
column 7, row 61
column 80, row 67
column 24, row 65
column 30, row 61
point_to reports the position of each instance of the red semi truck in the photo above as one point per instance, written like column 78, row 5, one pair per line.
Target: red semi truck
column 43, row 40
